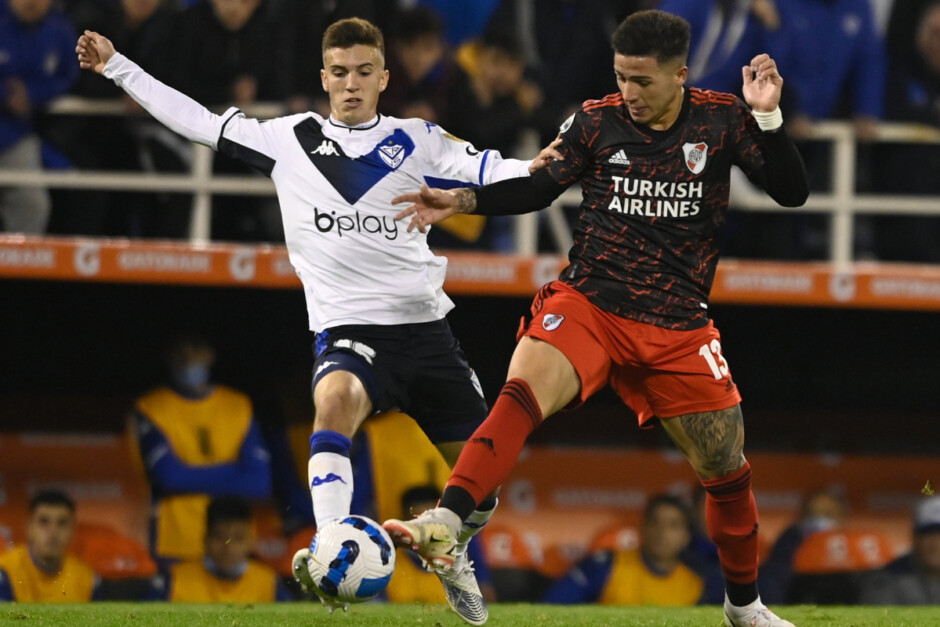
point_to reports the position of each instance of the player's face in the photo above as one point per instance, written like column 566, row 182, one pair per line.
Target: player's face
column 354, row 77
column 49, row 532
column 229, row 543
column 665, row 533
column 651, row 90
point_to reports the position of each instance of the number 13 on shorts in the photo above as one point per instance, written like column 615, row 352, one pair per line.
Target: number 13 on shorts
column 711, row 352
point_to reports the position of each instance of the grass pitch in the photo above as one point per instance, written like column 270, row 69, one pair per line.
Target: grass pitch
column 379, row 615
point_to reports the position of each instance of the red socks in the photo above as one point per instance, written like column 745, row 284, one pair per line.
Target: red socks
column 492, row 450
column 731, row 514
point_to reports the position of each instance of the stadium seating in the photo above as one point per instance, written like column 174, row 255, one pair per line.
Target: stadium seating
column 829, row 566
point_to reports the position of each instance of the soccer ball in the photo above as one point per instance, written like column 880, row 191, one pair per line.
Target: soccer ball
column 350, row 560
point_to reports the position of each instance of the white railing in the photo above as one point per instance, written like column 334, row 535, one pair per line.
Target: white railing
column 843, row 203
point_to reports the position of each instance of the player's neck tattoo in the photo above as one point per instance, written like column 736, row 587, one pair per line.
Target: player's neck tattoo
column 466, row 200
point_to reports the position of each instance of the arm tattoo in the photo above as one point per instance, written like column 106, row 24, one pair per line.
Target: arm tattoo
column 714, row 440
column 466, row 200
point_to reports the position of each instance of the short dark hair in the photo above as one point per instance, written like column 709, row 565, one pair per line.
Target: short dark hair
column 419, row 22
column 672, row 501
column 352, row 31
column 653, row 34
column 227, row 509
column 51, row 497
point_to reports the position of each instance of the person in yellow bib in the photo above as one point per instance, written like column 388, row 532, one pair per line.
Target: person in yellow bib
column 652, row 574
column 195, row 440
column 42, row 570
column 226, row 573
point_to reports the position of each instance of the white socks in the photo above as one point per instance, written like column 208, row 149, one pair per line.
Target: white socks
column 330, row 476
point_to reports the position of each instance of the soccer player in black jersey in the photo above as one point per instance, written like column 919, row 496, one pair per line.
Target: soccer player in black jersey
column 631, row 308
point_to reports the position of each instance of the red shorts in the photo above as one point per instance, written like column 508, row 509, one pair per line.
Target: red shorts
column 657, row 372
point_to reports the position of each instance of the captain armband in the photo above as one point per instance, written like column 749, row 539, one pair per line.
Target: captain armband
column 768, row 121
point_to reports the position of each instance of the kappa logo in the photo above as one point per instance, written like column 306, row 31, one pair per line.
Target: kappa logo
column 324, row 365
column 620, row 158
column 392, row 155
column 326, row 148
column 552, row 321
column 695, row 156
column 329, row 478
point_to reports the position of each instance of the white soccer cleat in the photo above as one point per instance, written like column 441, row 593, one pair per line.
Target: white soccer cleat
column 754, row 615
column 302, row 570
column 463, row 592
column 432, row 535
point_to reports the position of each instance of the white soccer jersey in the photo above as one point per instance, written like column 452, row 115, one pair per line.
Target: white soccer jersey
column 335, row 185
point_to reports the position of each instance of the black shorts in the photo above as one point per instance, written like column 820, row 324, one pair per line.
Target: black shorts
column 417, row 368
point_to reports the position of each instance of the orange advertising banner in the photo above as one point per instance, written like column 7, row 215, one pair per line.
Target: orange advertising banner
column 808, row 284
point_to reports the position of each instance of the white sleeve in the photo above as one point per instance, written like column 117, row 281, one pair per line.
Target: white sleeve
column 458, row 160
column 175, row 110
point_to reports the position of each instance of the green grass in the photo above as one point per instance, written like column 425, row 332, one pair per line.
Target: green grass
column 304, row 614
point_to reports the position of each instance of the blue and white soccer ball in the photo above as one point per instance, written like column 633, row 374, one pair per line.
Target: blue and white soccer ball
column 350, row 560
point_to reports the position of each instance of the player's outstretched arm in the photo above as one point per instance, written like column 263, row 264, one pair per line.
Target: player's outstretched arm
column 94, row 51
column 175, row 110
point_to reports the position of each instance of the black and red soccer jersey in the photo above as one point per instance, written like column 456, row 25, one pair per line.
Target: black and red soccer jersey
column 654, row 202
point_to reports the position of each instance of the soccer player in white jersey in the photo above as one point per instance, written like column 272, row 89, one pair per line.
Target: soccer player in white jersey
column 373, row 289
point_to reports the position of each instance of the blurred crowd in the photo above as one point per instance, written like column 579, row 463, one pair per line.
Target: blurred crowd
column 501, row 74
column 217, row 461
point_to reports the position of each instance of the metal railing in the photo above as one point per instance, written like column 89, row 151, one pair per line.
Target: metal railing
column 842, row 203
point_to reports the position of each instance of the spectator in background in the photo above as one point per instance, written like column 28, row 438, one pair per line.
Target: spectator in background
column 489, row 103
column 422, row 69
column 903, row 20
column 559, row 39
column 226, row 573
column 134, row 143
column 463, row 19
column 913, row 95
column 196, row 440
column 842, row 35
column 36, row 46
column 914, row 578
column 652, row 574
column 820, row 510
column 221, row 53
column 728, row 34
column 42, row 570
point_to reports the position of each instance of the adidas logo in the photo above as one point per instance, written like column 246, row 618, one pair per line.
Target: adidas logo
column 620, row 158
column 326, row 148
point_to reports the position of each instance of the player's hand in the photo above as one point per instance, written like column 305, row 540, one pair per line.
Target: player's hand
column 547, row 155
column 428, row 207
column 762, row 84
column 94, row 51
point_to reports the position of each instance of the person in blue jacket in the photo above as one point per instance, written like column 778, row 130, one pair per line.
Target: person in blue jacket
column 36, row 48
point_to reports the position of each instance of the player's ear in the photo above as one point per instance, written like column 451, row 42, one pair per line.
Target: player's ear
column 682, row 74
column 383, row 82
column 323, row 80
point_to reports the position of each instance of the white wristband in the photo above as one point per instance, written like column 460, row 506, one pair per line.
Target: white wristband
column 768, row 121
